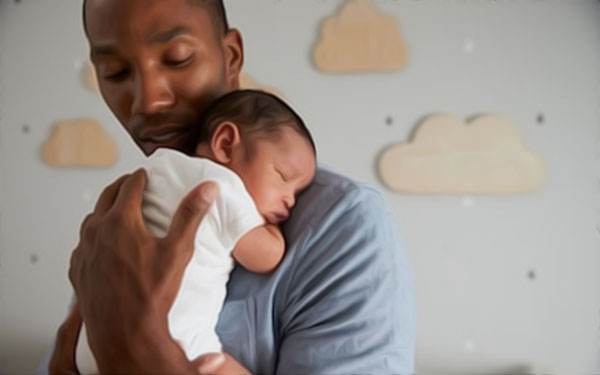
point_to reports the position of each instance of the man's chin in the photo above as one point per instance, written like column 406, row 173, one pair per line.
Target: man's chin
column 148, row 148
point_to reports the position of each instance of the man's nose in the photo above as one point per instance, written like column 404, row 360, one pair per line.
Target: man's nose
column 152, row 92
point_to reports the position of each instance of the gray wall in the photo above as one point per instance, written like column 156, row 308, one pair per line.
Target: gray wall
column 505, row 284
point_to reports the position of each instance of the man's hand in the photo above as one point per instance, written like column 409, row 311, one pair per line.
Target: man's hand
column 126, row 280
column 63, row 358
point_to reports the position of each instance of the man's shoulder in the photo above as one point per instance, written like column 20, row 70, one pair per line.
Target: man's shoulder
column 339, row 218
column 327, row 199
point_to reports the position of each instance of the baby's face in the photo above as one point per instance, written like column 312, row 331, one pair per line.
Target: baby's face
column 276, row 171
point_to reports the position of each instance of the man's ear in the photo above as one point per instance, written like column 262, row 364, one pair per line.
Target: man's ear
column 233, row 49
column 226, row 138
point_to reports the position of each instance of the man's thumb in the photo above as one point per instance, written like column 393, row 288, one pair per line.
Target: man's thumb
column 191, row 211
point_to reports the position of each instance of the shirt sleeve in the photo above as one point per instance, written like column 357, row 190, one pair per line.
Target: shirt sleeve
column 350, row 304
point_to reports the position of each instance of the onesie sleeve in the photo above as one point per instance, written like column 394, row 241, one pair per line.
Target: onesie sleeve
column 237, row 211
column 349, row 305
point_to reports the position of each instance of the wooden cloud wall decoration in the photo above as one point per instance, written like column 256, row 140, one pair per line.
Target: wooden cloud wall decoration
column 360, row 39
column 248, row 82
column 79, row 143
column 90, row 79
column 448, row 156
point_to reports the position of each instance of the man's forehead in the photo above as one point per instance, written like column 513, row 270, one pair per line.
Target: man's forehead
column 147, row 17
column 115, row 12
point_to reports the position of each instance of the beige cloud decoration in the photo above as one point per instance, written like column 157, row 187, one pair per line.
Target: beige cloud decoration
column 449, row 156
column 247, row 82
column 360, row 39
column 90, row 80
column 79, row 143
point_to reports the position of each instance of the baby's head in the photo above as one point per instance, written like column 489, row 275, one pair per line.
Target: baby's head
column 265, row 142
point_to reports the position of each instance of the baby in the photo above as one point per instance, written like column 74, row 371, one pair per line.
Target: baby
column 259, row 152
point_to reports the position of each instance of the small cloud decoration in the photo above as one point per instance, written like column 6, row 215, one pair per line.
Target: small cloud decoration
column 448, row 156
column 79, row 143
column 360, row 39
column 247, row 82
column 89, row 77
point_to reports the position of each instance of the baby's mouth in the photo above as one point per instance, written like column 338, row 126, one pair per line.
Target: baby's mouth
column 275, row 217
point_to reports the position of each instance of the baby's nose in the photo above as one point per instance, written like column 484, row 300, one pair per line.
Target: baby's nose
column 289, row 201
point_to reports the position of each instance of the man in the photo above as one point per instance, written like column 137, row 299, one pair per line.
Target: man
column 341, row 301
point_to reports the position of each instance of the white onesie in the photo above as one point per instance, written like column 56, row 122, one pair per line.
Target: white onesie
column 194, row 315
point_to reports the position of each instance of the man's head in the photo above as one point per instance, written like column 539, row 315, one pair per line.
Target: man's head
column 265, row 142
column 161, row 63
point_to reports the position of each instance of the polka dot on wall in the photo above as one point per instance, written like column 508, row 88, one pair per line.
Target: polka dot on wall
column 469, row 346
column 86, row 196
column 540, row 119
column 467, row 202
column 389, row 121
column 468, row 45
column 25, row 129
column 33, row 258
column 531, row 275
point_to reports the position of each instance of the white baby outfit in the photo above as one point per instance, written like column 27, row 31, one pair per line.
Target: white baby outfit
column 194, row 315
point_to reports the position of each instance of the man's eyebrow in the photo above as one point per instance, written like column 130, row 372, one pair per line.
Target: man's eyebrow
column 103, row 50
column 159, row 38
column 169, row 34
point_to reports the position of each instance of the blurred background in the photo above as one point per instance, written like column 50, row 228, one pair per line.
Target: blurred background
column 505, row 283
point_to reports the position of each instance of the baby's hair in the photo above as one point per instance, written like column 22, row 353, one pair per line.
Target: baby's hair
column 254, row 112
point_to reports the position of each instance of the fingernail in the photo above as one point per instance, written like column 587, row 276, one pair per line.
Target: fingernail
column 213, row 363
column 209, row 193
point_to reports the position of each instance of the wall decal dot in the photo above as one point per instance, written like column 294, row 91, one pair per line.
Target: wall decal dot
column 25, row 129
column 531, row 275
column 86, row 196
column 540, row 119
column 389, row 121
column 469, row 346
column 467, row 202
column 33, row 258
column 468, row 46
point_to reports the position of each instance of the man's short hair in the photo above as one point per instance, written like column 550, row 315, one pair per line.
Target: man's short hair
column 215, row 8
column 217, row 11
column 254, row 112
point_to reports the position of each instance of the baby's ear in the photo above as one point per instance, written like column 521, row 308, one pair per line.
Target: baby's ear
column 224, row 141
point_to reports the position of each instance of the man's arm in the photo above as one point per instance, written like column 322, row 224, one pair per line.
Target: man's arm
column 125, row 282
column 261, row 249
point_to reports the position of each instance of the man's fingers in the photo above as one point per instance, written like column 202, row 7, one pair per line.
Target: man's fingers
column 63, row 358
column 190, row 213
column 69, row 330
column 209, row 363
column 107, row 198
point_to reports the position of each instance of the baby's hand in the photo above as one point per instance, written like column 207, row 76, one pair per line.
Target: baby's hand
column 261, row 249
column 276, row 232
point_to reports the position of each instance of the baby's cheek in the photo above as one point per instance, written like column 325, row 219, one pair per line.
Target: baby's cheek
column 266, row 202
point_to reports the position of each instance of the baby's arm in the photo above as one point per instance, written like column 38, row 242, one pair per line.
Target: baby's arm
column 261, row 249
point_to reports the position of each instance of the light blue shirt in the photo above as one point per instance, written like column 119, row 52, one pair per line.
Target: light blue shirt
column 341, row 301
